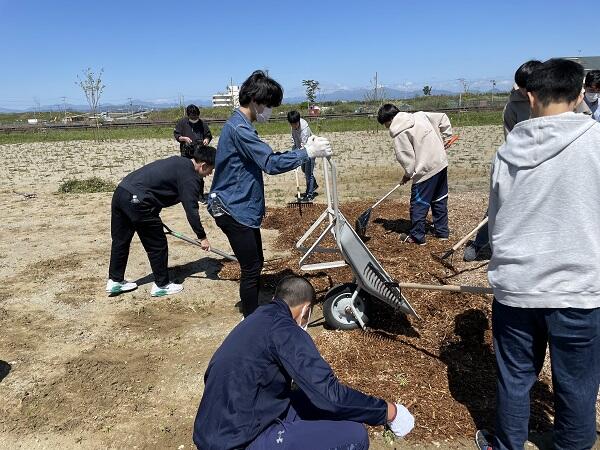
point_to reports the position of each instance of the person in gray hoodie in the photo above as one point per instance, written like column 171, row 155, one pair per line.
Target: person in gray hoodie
column 545, row 268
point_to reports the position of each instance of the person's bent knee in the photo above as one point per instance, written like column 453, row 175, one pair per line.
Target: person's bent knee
column 356, row 434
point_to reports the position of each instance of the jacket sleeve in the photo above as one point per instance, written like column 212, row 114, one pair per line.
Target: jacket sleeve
column 189, row 191
column 509, row 118
column 178, row 131
column 207, row 134
column 441, row 124
column 256, row 150
column 405, row 153
column 299, row 356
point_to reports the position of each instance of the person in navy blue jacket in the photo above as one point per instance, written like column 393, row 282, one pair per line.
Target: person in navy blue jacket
column 251, row 402
column 237, row 195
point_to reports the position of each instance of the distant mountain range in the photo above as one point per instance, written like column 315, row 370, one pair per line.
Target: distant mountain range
column 358, row 94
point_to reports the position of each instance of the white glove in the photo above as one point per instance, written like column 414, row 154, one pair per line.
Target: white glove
column 318, row 147
column 403, row 422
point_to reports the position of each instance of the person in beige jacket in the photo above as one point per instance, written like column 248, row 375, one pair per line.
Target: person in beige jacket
column 419, row 141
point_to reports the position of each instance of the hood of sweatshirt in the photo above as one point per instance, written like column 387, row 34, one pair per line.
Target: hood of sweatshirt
column 534, row 141
column 517, row 96
column 401, row 122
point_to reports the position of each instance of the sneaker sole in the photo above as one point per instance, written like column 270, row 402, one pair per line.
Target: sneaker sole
column 164, row 293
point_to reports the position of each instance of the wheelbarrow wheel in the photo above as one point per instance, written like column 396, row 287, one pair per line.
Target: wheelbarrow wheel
column 336, row 307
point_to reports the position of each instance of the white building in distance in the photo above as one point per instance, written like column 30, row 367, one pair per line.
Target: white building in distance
column 231, row 98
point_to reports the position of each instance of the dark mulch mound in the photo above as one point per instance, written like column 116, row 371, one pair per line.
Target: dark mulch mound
column 442, row 364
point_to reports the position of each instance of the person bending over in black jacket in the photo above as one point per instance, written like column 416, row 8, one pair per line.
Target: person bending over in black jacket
column 251, row 402
column 136, row 205
column 189, row 130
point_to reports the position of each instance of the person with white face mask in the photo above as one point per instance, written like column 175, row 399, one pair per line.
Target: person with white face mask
column 251, row 402
column 237, row 195
column 189, row 130
column 590, row 102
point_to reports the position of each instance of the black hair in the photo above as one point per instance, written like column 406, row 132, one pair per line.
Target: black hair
column 192, row 111
column 524, row 70
column 592, row 78
column 293, row 117
column 386, row 113
column 556, row 80
column 262, row 89
column 295, row 290
column 204, row 153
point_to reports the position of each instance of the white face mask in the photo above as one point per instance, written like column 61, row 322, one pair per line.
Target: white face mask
column 194, row 120
column 264, row 115
column 592, row 97
column 305, row 326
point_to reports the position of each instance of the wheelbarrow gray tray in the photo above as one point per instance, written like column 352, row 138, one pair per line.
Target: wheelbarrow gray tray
column 370, row 275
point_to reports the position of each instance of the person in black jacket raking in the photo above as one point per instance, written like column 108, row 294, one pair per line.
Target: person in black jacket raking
column 136, row 205
column 251, row 402
column 189, row 130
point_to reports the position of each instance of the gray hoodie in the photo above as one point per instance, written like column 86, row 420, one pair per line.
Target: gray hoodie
column 544, row 214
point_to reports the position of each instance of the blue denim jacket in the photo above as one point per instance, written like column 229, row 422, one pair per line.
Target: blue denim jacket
column 237, row 185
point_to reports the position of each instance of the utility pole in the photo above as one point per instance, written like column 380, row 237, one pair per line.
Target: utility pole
column 130, row 106
column 181, row 102
column 64, row 100
column 493, row 88
column 376, row 87
column 465, row 86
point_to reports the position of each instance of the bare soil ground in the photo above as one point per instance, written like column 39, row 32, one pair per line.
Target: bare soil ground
column 79, row 369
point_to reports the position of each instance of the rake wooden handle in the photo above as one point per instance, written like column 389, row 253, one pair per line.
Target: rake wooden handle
column 448, row 287
column 471, row 233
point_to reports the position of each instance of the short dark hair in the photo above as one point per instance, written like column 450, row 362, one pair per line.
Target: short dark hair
column 293, row 116
column 204, row 153
column 295, row 290
column 192, row 111
column 524, row 70
column 262, row 89
column 592, row 78
column 556, row 80
column 386, row 113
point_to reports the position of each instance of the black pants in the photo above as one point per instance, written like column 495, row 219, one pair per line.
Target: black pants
column 128, row 218
column 246, row 244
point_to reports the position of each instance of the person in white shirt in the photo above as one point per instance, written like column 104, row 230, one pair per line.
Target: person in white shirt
column 300, row 134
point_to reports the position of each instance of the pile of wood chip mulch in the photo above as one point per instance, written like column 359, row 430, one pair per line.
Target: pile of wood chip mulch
column 441, row 365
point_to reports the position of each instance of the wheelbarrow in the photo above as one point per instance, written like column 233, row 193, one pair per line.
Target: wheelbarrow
column 345, row 305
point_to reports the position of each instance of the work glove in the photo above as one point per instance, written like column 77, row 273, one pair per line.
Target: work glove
column 403, row 422
column 318, row 147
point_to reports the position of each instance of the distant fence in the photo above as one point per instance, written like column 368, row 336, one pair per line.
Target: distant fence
column 25, row 128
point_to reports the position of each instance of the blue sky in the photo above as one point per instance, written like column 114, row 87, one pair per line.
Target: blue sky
column 155, row 50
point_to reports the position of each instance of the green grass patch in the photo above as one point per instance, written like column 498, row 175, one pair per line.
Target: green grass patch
column 86, row 186
column 318, row 126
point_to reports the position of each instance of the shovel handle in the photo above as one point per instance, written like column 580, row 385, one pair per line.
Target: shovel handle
column 447, row 287
column 471, row 233
column 386, row 195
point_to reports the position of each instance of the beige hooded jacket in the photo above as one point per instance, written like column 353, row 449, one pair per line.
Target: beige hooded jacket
column 419, row 143
column 516, row 110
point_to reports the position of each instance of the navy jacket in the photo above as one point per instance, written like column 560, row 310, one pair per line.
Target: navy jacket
column 241, row 159
column 248, row 382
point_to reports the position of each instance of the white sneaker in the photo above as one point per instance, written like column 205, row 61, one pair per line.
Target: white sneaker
column 169, row 289
column 114, row 287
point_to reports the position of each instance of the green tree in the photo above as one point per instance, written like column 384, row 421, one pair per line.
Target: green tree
column 427, row 90
column 312, row 86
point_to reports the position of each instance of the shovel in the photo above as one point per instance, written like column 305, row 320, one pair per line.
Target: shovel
column 193, row 241
column 363, row 220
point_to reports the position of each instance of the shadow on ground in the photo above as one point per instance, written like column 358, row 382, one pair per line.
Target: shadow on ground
column 4, row 369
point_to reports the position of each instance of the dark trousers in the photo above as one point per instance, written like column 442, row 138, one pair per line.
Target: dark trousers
column 128, row 218
column 483, row 236
column 295, row 433
column 520, row 339
column 311, row 183
column 246, row 244
column 431, row 193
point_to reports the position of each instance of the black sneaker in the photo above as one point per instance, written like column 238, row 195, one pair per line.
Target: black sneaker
column 202, row 199
column 483, row 440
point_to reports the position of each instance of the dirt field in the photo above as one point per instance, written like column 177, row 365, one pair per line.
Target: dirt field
column 79, row 369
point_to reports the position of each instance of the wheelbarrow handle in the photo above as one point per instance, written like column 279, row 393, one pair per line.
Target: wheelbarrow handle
column 185, row 238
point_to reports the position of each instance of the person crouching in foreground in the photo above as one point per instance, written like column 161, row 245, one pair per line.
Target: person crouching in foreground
column 267, row 387
column 136, row 205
